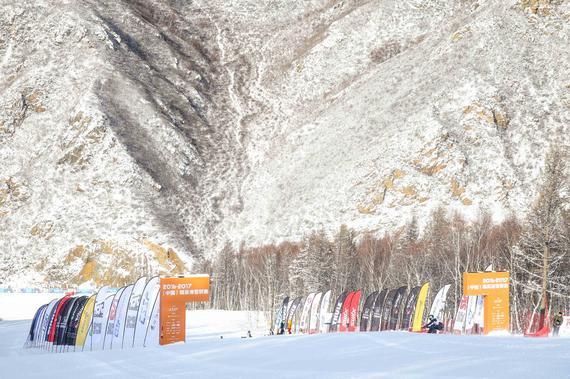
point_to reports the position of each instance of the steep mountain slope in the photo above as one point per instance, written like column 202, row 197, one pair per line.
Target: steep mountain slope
column 438, row 105
column 141, row 134
column 107, row 139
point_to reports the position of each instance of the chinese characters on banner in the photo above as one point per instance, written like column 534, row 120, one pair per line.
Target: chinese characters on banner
column 494, row 286
column 174, row 294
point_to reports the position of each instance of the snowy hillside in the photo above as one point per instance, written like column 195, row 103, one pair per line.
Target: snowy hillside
column 334, row 355
column 137, row 135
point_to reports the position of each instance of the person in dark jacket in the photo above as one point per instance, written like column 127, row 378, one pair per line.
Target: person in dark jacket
column 433, row 325
column 556, row 323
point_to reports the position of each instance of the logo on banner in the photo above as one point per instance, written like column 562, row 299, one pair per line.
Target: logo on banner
column 134, row 302
column 143, row 309
column 98, row 312
column 112, row 316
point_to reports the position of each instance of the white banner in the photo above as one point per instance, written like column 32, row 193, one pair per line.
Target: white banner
column 152, row 337
column 459, row 324
column 314, row 316
column 38, row 325
column 98, row 322
column 298, row 315
column 470, row 315
column 479, row 313
column 438, row 305
column 289, row 307
column 39, row 318
column 46, row 320
column 132, row 311
column 303, row 324
column 324, row 315
column 106, row 310
column 121, row 316
column 108, row 337
column 145, row 308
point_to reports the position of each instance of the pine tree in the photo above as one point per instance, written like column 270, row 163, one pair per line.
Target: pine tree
column 543, row 257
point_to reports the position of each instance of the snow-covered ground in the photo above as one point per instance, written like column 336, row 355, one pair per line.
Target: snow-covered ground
column 22, row 306
column 354, row 355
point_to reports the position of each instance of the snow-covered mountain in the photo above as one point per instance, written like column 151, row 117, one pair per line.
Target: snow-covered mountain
column 138, row 135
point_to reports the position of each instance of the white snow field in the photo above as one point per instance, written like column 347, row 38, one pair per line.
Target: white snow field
column 23, row 306
column 346, row 355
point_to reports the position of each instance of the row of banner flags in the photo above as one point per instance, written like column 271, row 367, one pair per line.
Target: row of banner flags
column 395, row 309
column 130, row 316
column 44, row 290
column 109, row 319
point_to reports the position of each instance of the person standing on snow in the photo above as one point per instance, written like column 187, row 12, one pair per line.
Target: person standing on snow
column 556, row 323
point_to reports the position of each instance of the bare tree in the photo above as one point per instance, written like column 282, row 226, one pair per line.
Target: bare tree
column 533, row 250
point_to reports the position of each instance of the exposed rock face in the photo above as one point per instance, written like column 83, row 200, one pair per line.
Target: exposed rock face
column 537, row 6
column 176, row 126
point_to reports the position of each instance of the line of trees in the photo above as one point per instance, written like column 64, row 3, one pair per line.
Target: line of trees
column 535, row 251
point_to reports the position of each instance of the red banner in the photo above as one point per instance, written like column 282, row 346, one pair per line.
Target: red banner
column 344, row 314
column 353, row 314
column 62, row 302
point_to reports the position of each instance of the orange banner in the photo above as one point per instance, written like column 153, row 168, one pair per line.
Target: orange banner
column 485, row 283
column 174, row 294
column 495, row 287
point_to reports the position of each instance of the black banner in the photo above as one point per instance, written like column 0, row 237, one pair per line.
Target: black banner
column 397, row 308
column 409, row 308
column 284, row 308
column 62, row 319
column 387, row 309
column 367, row 311
column 73, row 321
column 280, row 319
column 377, row 311
column 337, row 310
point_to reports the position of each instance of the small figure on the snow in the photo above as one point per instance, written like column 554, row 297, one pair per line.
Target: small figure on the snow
column 281, row 328
column 556, row 323
column 289, row 326
column 249, row 333
column 433, row 325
